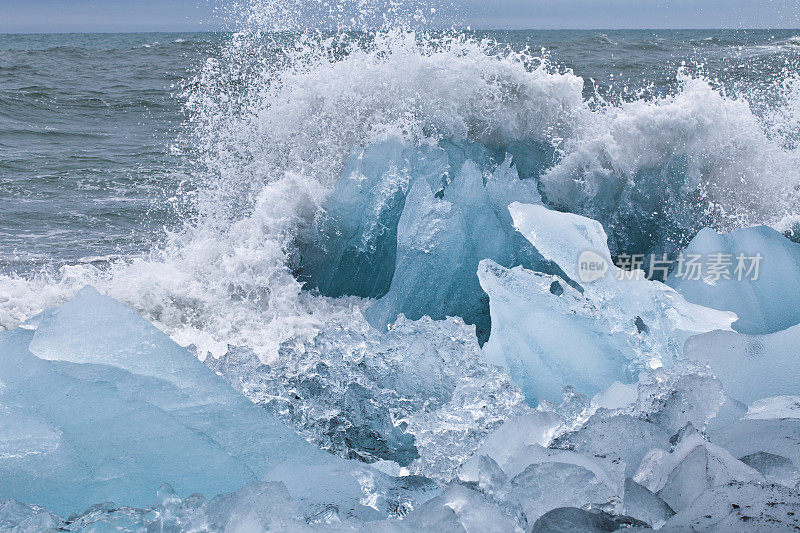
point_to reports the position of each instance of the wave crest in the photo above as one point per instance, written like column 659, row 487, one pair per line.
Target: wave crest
column 274, row 118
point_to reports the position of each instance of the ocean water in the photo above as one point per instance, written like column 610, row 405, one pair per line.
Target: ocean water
column 87, row 124
column 174, row 171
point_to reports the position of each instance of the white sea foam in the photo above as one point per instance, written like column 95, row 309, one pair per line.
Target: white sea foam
column 271, row 134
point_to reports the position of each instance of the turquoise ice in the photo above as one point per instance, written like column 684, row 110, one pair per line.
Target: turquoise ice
column 409, row 226
column 552, row 331
column 757, row 277
column 98, row 405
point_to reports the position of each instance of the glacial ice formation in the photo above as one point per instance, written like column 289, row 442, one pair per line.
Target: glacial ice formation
column 110, row 413
column 763, row 289
column 750, row 367
column 98, row 405
column 409, row 225
column 418, row 394
column 549, row 332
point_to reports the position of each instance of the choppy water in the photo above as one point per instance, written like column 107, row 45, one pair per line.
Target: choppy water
column 173, row 171
column 86, row 123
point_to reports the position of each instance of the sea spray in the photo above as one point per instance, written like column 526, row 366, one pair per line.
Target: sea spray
column 274, row 117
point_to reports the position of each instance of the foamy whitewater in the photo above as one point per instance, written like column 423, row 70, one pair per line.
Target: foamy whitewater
column 375, row 240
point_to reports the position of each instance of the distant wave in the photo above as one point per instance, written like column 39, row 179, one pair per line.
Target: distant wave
column 605, row 39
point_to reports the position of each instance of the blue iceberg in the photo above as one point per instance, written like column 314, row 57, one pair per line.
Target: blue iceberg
column 98, row 405
column 587, row 329
column 409, row 226
column 760, row 281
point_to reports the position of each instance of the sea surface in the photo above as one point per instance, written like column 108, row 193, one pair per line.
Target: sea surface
column 86, row 124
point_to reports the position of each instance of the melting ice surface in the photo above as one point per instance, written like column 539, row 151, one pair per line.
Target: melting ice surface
column 98, row 405
column 409, row 226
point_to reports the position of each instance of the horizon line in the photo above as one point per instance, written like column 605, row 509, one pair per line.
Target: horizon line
column 460, row 29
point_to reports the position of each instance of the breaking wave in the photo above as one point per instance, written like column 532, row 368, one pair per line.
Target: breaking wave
column 276, row 116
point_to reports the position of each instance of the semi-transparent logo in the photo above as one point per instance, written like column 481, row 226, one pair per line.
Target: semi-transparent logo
column 708, row 268
column 591, row 266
